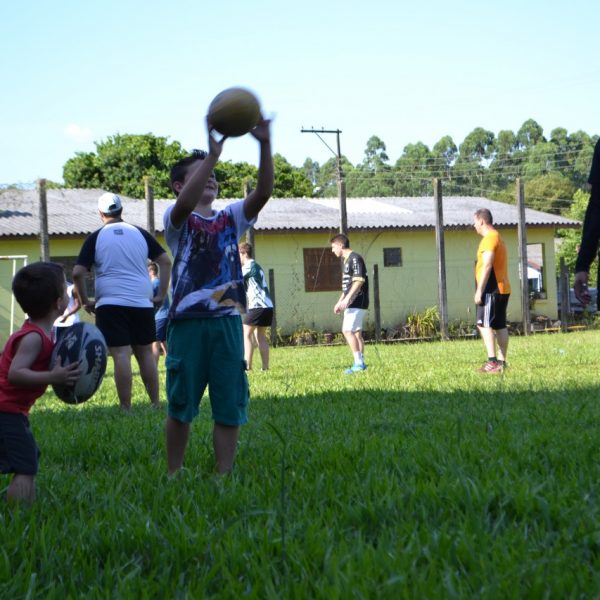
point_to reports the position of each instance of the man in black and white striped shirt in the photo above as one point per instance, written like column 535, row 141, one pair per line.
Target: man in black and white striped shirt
column 354, row 300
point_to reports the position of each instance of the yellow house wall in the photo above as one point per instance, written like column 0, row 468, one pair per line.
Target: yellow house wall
column 411, row 287
column 58, row 247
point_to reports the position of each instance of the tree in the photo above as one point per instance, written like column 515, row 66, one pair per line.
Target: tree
column 375, row 155
column 364, row 183
column 83, row 171
column 581, row 167
column 311, row 170
column 444, row 154
column 413, row 171
column 122, row 161
column 530, row 134
column 373, row 176
column 506, row 143
column 290, row 182
column 571, row 238
column 560, row 137
column 506, row 164
column 327, row 176
column 478, row 145
column 234, row 178
column 549, row 192
column 541, row 159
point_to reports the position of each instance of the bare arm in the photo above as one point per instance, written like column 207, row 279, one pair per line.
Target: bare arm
column 21, row 374
column 76, row 307
column 164, row 265
column 196, row 180
column 488, row 262
column 580, row 287
column 336, row 308
column 352, row 293
column 257, row 198
column 79, row 275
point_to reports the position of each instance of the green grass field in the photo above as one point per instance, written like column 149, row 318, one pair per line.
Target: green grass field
column 416, row 479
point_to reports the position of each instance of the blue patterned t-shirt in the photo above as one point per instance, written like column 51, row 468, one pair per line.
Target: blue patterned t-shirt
column 207, row 276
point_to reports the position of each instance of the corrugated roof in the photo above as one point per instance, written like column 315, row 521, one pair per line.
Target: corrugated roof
column 74, row 212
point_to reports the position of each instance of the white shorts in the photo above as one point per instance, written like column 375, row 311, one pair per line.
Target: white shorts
column 353, row 319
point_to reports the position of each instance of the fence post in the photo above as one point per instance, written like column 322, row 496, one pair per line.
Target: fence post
column 43, row 210
column 149, row 193
column 376, row 303
column 522, row 234
column 441, row 254
column 274, row 323
column 564, row 295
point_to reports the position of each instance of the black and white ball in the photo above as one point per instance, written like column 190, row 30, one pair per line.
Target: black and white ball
column 82, row 343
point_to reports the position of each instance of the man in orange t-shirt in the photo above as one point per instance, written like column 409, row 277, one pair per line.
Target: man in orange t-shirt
column 493, row 291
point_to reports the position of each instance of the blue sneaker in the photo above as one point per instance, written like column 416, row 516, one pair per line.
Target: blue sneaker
column 355, row 369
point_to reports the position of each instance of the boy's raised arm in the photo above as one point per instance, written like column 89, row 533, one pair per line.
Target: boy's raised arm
column 257, row 198
column 196, row 180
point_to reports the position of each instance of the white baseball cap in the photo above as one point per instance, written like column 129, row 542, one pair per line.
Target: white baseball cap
column 109, row 203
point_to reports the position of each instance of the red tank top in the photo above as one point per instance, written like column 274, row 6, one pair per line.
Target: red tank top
column 14, row 399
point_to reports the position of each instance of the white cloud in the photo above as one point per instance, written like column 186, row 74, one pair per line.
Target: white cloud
column 77, row 132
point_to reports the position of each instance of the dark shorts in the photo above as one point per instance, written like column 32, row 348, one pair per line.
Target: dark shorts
column 161, row 329
column 492, row 313
column 18, row 451
column 126, row 325
column 259, row 317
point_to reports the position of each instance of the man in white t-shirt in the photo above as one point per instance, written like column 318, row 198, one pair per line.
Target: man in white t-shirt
column 124, row 304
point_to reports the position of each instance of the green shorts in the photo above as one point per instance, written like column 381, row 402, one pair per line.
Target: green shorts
column 207, row 352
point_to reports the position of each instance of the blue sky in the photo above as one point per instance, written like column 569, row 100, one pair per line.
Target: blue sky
column 75, row 72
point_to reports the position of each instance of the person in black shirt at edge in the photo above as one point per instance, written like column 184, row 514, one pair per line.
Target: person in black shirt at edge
column 590, row 234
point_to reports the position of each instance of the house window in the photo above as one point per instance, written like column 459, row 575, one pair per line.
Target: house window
column 322, row 270
column 535, row 270
column 392, row 257
column 68, row 262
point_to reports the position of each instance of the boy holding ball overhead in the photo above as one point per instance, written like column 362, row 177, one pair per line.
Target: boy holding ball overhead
column 205, row 339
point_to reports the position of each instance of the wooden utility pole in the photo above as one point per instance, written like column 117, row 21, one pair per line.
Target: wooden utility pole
column 441, row 255
column 149, row 192
column 341, row 183
column 274, row 322
column 341, row 187
column 376, row 303
column 522, row 234
column 43, row 209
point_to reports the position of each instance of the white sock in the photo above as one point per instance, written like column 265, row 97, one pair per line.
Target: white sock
column 358, row 358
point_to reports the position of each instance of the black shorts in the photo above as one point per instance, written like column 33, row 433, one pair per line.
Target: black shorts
column 492, row 313
column 18, row 451
column 126, row 325
column 259, row 317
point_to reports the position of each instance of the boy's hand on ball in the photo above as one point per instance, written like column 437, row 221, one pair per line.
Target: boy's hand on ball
column 262, row 132
column 215, row 143
column 67, row 375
